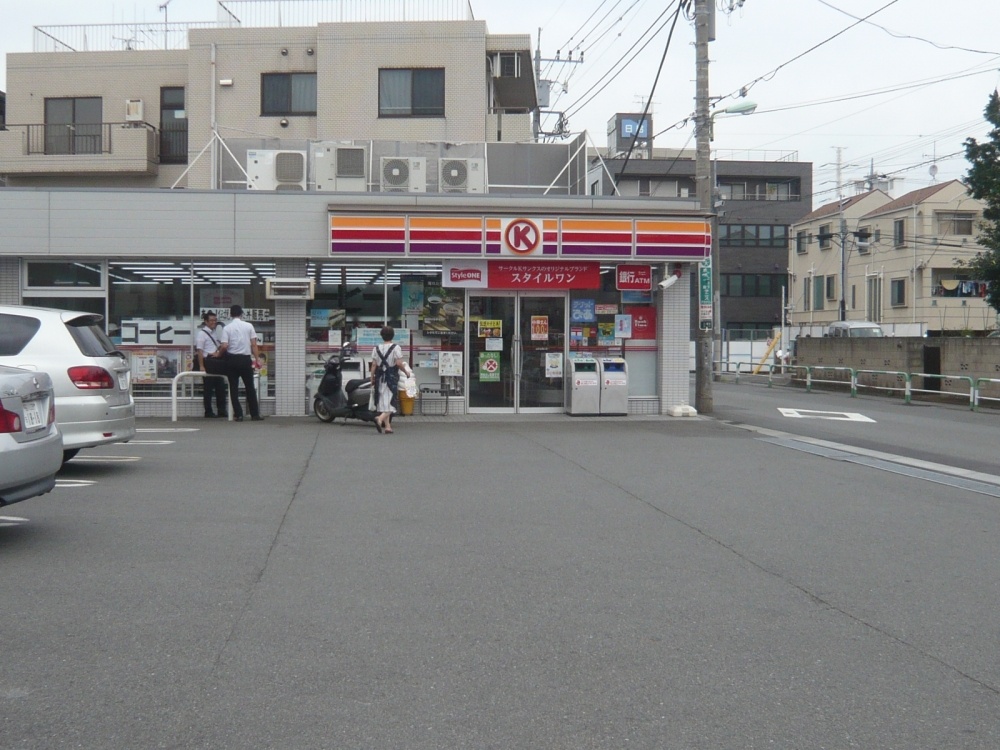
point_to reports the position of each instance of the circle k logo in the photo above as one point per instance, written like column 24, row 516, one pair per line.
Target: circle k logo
column 522, row 237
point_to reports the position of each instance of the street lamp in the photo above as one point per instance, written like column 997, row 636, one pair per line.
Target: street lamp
column 740, row 108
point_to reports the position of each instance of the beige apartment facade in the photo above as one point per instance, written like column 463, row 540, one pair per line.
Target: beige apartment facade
column 152, row 118
column 900, row 261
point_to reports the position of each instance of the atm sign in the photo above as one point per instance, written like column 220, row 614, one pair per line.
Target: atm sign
column 633, row 277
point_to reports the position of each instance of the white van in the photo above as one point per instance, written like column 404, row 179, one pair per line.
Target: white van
column 855, row 329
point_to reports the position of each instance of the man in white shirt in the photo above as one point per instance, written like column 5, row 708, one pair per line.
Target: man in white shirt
column 213, row 361
column 239, row 342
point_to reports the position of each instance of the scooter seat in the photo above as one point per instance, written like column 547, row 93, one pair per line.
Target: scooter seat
column 353, row 385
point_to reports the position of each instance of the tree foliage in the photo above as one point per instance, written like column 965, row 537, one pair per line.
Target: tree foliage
column 983, row 181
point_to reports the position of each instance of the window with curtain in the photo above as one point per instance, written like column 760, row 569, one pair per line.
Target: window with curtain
column 288, row 94
column 411, row 92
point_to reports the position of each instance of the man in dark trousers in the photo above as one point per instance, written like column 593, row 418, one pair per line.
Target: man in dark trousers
column 213, row 361
column 239, row 342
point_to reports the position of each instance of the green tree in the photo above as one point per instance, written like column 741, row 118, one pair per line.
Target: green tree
column 983, row 181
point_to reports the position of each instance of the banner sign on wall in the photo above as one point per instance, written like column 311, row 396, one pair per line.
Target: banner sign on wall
column 514, row 274
column 643, row 322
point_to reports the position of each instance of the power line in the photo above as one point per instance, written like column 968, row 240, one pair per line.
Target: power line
column 578, row 105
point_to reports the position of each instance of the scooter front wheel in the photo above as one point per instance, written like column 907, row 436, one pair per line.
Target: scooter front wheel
column 322, row 411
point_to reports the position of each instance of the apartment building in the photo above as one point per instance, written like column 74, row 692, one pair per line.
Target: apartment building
column 892, row 261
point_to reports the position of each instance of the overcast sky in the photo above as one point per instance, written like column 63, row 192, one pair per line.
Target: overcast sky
column 901, row 89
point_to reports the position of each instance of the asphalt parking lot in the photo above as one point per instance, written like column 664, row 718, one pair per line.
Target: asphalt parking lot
column 500, row 583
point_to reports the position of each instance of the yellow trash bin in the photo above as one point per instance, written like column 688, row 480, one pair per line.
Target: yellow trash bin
column 406, row 404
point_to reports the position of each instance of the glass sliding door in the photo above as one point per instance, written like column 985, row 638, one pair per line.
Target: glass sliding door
column 517, row 348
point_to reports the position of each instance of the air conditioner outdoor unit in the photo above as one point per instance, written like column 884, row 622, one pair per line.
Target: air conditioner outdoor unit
column 289, row 288
column 276, row 170
column 462, row 175
column 338, row 168
column 402, row 174
column 133, row 110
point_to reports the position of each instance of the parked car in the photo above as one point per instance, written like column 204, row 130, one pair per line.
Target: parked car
column 855, row 329
column 92, row 380
column 30, row 443
column 993, row 335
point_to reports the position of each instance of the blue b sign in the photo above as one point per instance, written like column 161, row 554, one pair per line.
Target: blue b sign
column 631, row 128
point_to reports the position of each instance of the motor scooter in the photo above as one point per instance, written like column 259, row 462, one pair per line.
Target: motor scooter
column 335, row 399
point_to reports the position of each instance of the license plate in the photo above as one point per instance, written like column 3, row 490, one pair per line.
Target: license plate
column 123, row 381
column 32, row 415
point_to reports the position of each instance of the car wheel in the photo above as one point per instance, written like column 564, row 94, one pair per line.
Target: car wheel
column 69, row 453
column 322, row 411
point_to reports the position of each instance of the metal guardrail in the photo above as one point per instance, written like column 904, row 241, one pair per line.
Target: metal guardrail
column 189, row 374
column 979, row 393
column 809, row 374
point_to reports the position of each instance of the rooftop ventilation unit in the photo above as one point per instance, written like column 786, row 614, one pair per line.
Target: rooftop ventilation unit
column 339, row 168
column 404, row 174
column 276, row 170
column 462, row 175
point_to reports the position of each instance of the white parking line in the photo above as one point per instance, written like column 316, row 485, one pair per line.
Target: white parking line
column 105, row 459
column 74, row 483
column 840, row 416
column 12, row 521
column 151, row 442
column 169, row 429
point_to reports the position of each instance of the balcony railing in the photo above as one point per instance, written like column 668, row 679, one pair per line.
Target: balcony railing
column 79, row 148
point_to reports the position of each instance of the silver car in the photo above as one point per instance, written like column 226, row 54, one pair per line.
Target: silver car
column 30, row 444
column 91, row 379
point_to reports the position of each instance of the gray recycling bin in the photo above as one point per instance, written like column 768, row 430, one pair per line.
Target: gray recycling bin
column 614, row 385
column 583, row 387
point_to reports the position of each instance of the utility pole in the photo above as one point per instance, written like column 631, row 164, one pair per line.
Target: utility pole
column 703, row 179
column 536, row 125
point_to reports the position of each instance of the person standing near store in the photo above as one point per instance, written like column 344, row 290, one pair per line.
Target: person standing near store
column 386, row 362
column 212, row 361
column 239, row 342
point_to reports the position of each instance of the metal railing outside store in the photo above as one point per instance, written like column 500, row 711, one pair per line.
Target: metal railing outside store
column 856, row 379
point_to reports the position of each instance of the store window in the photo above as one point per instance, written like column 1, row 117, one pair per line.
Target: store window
column 411, row 92
column 155, row 307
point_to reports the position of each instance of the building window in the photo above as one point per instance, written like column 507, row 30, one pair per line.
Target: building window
column 595, row 188
column 825, row 235
column 801, row 242
column 864, row 240
column 417, row 92
column 287, row 94
column 73, row 126
column 831, row 287
column 732, row 191
column 956, row 223
column 897, row 292
column 644, row 186
column 778, row 191
column 806, row 293
column 818, row 284
column 173, row 126
column 899, row 232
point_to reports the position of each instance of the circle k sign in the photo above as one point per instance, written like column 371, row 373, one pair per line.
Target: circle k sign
column 521, row 237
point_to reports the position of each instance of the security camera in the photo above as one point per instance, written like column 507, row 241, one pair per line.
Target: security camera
column 668, row 282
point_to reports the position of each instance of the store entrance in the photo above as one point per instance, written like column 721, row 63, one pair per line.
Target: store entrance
column 517, row 350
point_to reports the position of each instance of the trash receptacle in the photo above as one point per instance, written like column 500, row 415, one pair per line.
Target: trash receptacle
column 614, row 386
column 405, row 404
column 583, row 387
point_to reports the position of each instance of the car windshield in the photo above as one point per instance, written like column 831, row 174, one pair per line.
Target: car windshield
column 867, row 333
column 89, row 336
